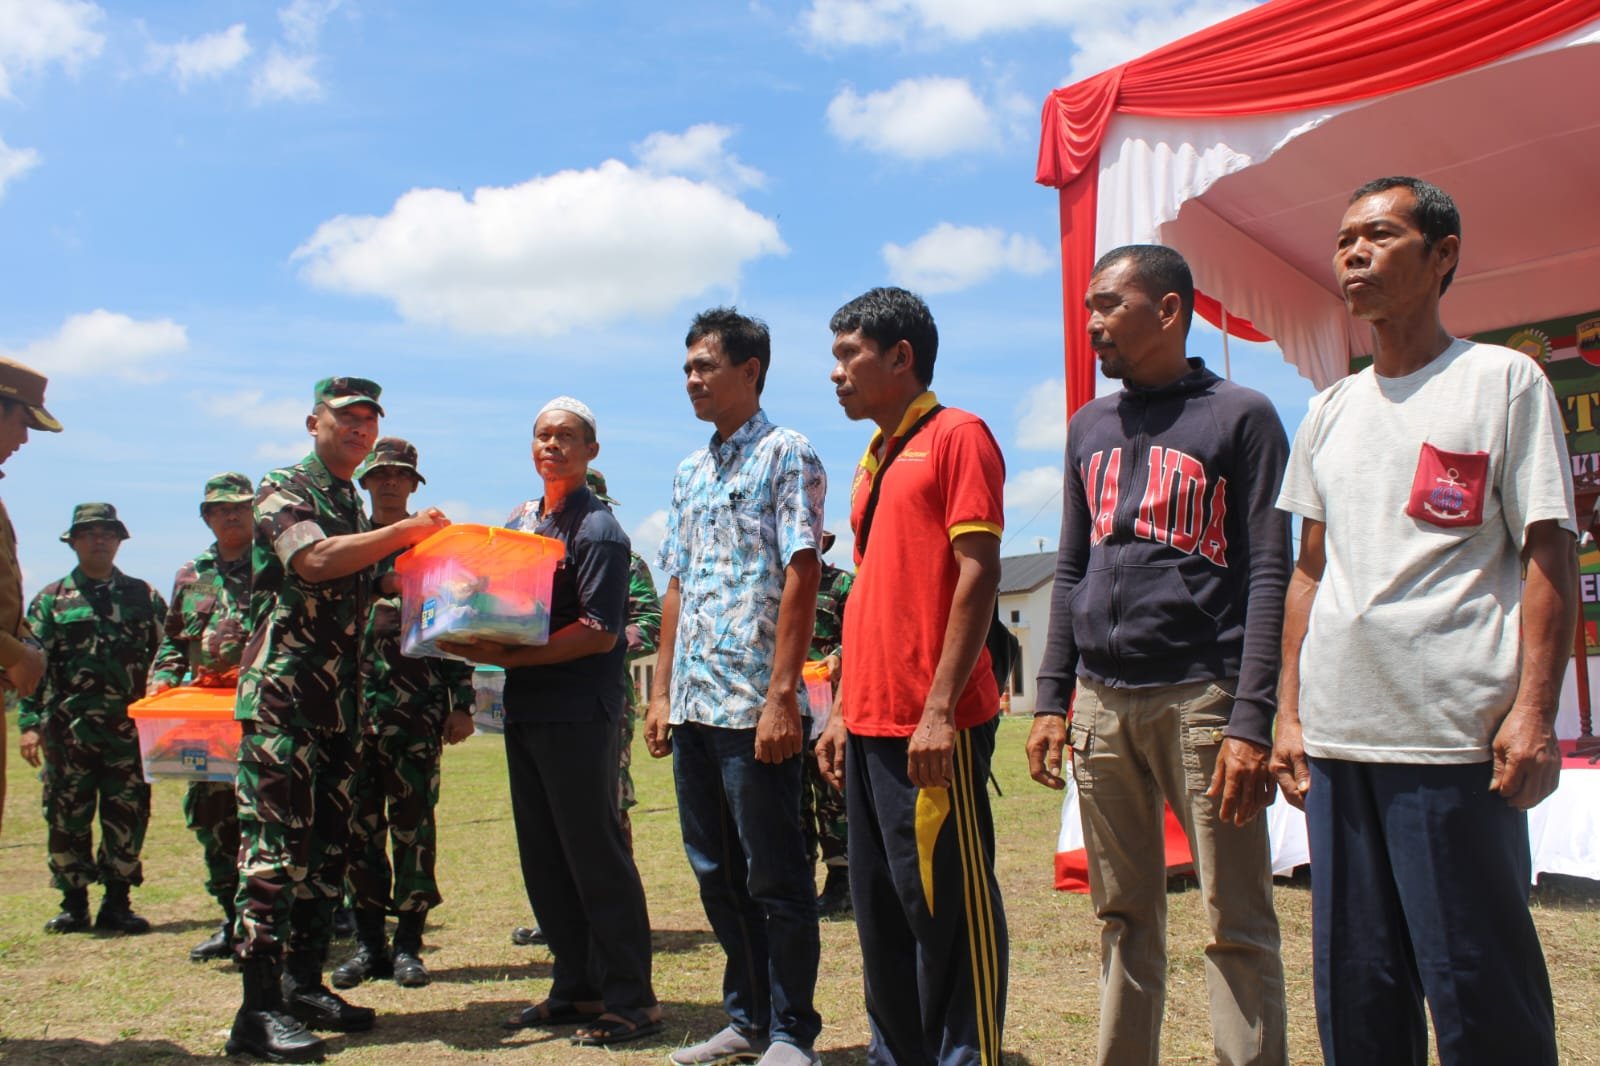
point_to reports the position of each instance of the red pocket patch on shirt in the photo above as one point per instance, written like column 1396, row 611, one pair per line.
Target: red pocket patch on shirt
column 1449, row 487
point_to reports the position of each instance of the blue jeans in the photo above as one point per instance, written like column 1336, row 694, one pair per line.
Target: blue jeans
column 1419, row 888
column 741, row 830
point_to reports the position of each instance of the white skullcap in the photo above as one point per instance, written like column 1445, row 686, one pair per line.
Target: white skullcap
column 567, row 403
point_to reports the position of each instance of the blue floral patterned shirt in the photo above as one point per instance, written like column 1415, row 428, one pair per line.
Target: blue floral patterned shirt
column 741, row 509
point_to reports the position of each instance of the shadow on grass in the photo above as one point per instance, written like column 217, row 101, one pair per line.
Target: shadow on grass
column 184, row 925
column 533, row 969
column 477, row 1027
column 1563, row 893
column 74, row 1051
column 679, row 941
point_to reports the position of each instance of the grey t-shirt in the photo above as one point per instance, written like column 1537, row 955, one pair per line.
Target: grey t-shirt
column 1414, row 648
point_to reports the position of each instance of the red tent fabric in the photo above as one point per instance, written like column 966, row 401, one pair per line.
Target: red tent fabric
column 1283, row 56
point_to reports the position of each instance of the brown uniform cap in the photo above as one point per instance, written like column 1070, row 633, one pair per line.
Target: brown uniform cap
column 26, row 386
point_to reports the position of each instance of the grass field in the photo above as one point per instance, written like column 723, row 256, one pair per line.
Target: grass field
column 90, row 998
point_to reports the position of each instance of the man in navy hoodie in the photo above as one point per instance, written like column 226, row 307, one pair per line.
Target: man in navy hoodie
column 1164, row 631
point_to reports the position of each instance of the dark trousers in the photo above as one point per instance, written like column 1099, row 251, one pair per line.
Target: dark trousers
column 928, row 908
column 741, row 831
column 581, row 881
column 1419, row 889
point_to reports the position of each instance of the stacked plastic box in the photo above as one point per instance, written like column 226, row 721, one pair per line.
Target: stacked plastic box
column 471, row 582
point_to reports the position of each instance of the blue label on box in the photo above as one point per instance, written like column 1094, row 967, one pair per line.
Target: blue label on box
column 430, row 608
column 193, row 759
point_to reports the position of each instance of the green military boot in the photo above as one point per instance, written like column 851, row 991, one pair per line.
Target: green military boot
column 218, row 945
column 74, row 916
column 308, row 999
column 409, row 972
column 262, row 1028
column 371, row 959
column 116, row 913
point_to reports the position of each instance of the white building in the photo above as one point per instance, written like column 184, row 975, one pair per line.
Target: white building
column 1025, row 582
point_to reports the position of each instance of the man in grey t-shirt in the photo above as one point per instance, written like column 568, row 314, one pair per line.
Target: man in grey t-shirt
column 1421, row 669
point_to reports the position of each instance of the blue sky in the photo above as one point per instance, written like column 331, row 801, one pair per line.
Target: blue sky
column 206, row 207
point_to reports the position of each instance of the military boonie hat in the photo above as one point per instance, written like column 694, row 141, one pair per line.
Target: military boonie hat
column 26, row 386
column 391, row 451
column 597, row 485
column 342, row 392
column 227, row 488
column 94, row 514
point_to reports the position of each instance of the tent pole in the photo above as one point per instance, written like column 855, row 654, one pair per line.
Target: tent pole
column 1227, row 359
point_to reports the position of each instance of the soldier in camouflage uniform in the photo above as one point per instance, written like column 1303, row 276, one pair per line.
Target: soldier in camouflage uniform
column 203, row 643
column 822, row 805
column 21, row 661
column 99, row 629
column 410, row 706
column 644, row 630
column 299, row 687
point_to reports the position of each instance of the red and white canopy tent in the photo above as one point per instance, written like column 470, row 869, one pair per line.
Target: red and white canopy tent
column 1239, row 146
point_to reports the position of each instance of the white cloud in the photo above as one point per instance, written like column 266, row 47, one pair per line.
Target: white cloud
column 199, row 58
column 302, row 21
column 572, row 249
column 15, row 162
column 1042, row 417
column 698, row 152
column 252, row 408
column 104, row 342
column 1102, row 44
column 1030, row 490
column 1102, row 36
column 37, row 33
column 648, row 535
column 286, row 77
column 283, row 451
column 460, row 510
column 918, row 118
column 948, row 257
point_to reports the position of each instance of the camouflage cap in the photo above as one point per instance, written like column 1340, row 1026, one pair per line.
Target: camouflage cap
column 390, row 451
column 342, row 392
column 94, row 514
column 26, row 385
column 597, row 485
column 231, row 487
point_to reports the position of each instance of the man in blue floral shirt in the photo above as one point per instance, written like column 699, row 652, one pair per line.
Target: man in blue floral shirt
column 742, row 565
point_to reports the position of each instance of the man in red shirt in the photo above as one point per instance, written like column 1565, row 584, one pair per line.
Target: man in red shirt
column 911, row 740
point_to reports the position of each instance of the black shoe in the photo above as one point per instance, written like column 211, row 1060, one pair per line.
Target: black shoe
column 307, row 998
column 262, row 1028
column 834, row 901
column 527, row 935
column 218, row 945
column 369, row 963
column 116, row 913
column 409, row 972
column 274, row 1036
column 74, row 916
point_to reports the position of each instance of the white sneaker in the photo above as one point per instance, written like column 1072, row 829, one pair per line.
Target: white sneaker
column 727, row 1047
column 781, row 1053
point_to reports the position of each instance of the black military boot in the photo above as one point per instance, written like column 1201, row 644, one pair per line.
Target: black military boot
column 262, row 1028
column 834, row 900
column 218, row 945
column 307, row 998
column 74, row 916
column 344, row 923
column 116, row 913
column 409, row 972
column 371, row 959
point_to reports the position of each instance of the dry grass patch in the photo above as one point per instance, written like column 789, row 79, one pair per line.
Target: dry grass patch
column 90, row 998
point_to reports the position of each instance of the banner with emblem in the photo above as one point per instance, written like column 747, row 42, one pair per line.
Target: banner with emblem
column 1569, row 350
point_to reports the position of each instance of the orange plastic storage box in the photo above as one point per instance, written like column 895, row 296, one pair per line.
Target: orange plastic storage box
column 187, row 733
column 468, row 581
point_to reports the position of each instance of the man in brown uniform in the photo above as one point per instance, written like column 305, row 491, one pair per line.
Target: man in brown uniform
column 21, row 409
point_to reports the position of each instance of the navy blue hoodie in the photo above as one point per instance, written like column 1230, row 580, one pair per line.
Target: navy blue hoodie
column 1173, row 559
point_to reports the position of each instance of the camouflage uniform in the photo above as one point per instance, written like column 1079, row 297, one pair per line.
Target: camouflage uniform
column 99, row 638
column 644, row 631
column 822, row 805
column 203, row 644
column 299, row 689
column 405, row 704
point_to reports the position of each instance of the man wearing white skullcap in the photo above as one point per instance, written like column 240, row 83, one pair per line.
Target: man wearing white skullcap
column 564, row 703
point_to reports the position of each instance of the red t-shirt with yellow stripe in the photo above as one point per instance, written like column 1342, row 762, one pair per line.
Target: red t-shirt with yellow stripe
column 948, row 480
